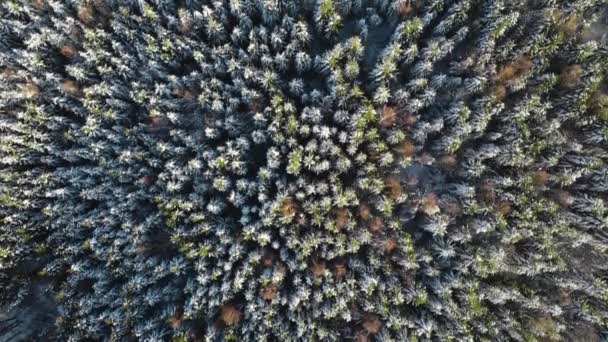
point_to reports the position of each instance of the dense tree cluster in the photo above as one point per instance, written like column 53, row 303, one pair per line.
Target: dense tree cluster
column 314, row 170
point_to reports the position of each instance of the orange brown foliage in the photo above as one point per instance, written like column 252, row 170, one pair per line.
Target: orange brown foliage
column 229, row 314
column 514, row 70
column 340, row 270
column 175, row 321
column 564, row 198
column 39, row 4
column 405, row 8
column 364, row 211
column 571, row 75
column 409, row 119
column 341, row 217
column 86, row 13
column 487, row 192
column 570, row 26
column 376, row 225
column 540, row 178
column 71, row 87
column 288, row 207
column 67, row 51
column 30, row 90
column 318, row 268
column 389, row 117
column 362, row 337
column 372, row 325
column 499, row 92
column 393, row 187
column 269, row 292
column 504, row 207
column 406, row 150
column 429, row 204
column 389, row 245
column 184, row 22
column 447, row 162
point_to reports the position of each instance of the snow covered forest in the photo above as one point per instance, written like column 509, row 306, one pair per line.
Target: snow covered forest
column 303, row 170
